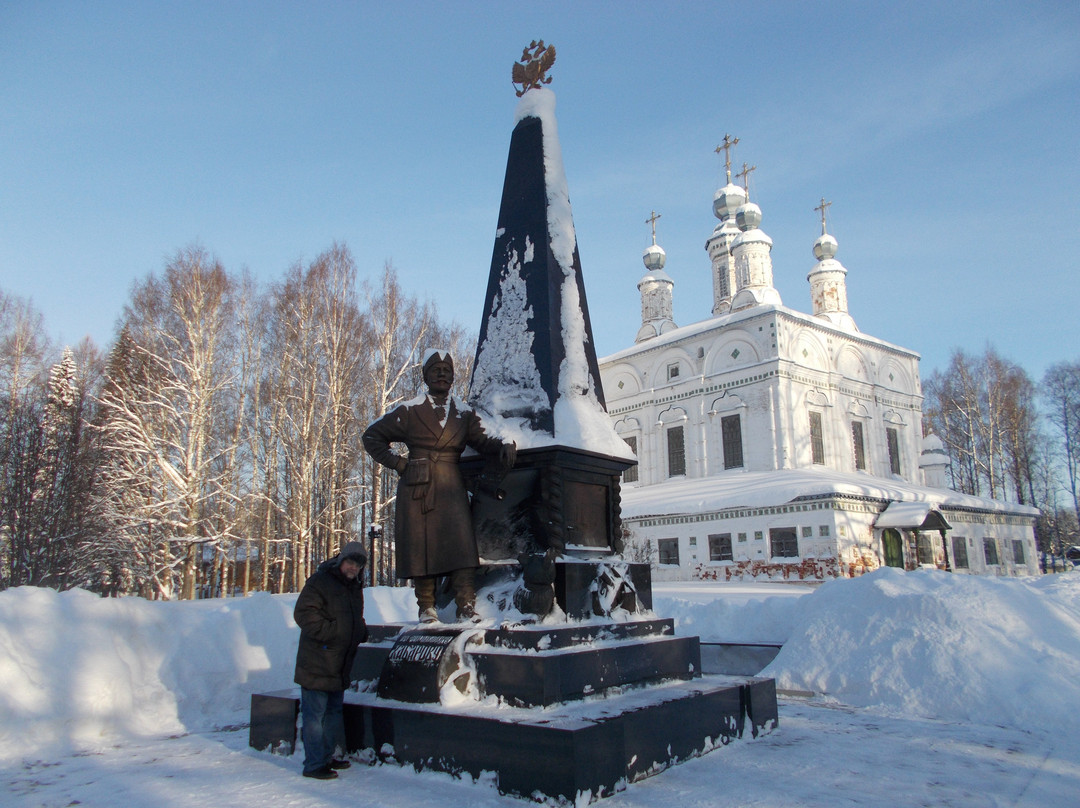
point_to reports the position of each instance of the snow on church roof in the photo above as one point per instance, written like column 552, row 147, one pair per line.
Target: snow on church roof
column 759, row 489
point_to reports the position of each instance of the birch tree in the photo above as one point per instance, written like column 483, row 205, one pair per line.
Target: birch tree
column 983, row 408
column 1061, row 392
column 318, row 342
column 166, row 427
column 24, row 349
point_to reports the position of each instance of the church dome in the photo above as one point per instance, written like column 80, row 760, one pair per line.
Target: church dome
column 825, row 247
column 728, row 200
column 932, row 444
column 654, row 258
column 748, row 217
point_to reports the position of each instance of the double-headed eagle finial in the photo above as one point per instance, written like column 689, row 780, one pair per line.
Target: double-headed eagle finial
column 535, row 61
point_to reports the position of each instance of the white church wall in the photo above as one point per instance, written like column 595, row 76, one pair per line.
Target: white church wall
column 834, row 538
column 624, row 379
column 824, row 538
column 773, row 367
column 732, row 350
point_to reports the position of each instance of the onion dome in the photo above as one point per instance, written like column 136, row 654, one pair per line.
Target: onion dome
column 748, row 217
column 654, row 258
column 728, row 200
column 825, row 247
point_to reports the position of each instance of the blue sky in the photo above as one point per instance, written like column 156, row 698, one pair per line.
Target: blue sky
column 945, row 135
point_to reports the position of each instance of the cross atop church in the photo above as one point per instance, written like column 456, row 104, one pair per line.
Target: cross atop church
column 726, row 147
column 745, row 175
column 823, row 207
column 652, row 220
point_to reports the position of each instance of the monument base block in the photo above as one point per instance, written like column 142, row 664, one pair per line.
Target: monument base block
column 567, row 710
column 584, row 749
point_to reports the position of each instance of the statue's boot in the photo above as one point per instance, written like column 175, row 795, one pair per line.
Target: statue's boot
column 425, row 598
column 463, row 582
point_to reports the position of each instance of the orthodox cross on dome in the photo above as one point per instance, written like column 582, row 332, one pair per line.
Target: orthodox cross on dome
column 823, row 207
column 726, row 147
column 530, row 70
column 652, row 220
column 745, row 175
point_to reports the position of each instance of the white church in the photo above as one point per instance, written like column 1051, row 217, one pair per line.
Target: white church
column 775, row 444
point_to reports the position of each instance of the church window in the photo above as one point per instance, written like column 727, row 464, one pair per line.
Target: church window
column 893, row 439
column 731, row 433
column 817, row 439
column 1018, row 551
column 783, row 542
column 720, row 547
column 924, row 545
column 676, row 451
column 673, row 371
column 669, row 551
column 631, row 474
column 758, row 535
column 742, row 537
column 859, row 445
column 990, row 552
column 807, row 532
column 959, row 553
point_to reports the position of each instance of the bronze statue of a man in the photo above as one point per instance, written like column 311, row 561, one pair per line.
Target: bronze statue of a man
column 434, row 532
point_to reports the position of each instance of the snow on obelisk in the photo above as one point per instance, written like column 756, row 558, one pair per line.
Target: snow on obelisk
column 535, row 380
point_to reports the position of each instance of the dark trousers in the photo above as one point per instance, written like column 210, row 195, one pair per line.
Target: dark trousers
column 323, row 726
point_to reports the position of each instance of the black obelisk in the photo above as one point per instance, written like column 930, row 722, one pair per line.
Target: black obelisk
column 535, row 379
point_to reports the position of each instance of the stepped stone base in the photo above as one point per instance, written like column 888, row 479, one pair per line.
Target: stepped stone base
column 592, row 747
column 567, row 711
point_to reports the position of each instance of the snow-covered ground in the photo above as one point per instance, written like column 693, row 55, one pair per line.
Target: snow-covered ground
column 931, row 689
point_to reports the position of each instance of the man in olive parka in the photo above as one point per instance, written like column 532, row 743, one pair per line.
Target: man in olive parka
column 330, row 613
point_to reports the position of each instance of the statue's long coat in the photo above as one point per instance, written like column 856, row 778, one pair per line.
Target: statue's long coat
column 434, row 533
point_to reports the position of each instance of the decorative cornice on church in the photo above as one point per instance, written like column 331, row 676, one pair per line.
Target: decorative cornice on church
column 688, row 393
column 712, row 329
column 642, row 399
column 728, row 513
column 974, row 516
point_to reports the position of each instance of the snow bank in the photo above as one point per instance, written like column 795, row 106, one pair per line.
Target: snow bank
column 78, row 671
column 1002, row 651
column 730, row 612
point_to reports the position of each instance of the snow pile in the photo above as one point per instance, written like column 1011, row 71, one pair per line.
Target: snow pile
column 77, row 671
column 731, row 612
column 1002, row 651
